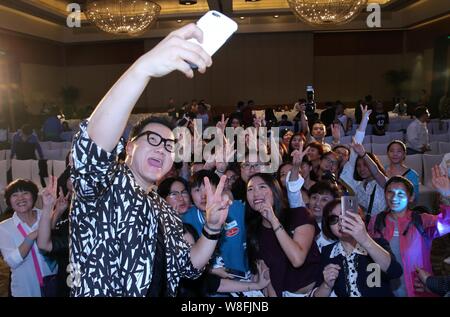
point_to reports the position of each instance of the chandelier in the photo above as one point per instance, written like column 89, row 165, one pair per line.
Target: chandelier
column 130, row 17
column 326, row 12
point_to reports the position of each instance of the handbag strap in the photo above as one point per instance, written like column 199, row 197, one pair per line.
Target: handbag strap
column 369, row 209
column 34, row 257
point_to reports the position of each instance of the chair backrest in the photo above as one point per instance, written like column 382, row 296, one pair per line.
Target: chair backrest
column 21, row 169
column 380, row 139
column 415, row 162
column 35, row 170
column 3, row 155
column 428, row 162
column 367, row 139
column 3, row 171
column 434, row 148
column 368, row 147
column 439, row 137
column 395, row 136
column 47, row 145
column 58, row 167
column 394, row 126
column 379, row 149
column 444, row 147
column 52, row 154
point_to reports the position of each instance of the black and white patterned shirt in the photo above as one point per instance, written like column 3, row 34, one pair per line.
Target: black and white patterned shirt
column 113, row 226
column 352, row 274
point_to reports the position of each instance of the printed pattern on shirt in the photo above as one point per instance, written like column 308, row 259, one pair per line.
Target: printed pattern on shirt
column 113, row 224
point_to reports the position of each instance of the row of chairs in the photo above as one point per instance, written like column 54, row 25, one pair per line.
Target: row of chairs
column 382, row 139
column 49, row 154
column 381, row 149
column 27, row 169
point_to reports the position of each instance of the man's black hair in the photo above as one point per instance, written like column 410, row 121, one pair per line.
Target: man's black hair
column 139, row 127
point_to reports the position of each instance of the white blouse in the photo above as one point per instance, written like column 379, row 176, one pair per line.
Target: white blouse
column 24, row 281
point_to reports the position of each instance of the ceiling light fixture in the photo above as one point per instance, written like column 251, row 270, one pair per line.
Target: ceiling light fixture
column 188, row 2
column 130, row 17
column 325, row 12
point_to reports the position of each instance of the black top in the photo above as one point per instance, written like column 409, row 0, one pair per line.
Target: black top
column 365, row 272
column 283, row 275
column 379, row 120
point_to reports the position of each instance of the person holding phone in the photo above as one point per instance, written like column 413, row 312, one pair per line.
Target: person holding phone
column 125, row 239
column 355, row 265
column 409, row 233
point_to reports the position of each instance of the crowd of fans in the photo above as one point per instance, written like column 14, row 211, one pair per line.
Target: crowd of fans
column 286, row 233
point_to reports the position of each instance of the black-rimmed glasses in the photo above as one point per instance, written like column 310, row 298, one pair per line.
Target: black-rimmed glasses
column 155, row 139
column 333, row 219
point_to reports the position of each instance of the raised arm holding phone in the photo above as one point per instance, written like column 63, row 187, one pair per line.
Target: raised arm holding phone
column 115, row 216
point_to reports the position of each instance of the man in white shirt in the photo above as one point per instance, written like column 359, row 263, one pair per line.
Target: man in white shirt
column 417, row 133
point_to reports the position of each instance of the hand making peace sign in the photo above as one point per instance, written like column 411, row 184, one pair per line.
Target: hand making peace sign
column 217, row 204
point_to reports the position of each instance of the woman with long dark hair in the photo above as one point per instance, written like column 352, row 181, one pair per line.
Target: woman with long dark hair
column 282, row 238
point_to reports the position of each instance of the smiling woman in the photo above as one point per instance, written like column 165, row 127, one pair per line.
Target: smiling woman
column 17, row 241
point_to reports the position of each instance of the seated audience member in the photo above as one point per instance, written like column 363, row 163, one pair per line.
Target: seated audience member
column 232, row 174
column 283, row 239
column 284, row 121
column 52, row 128
column 409, row 233
column 396, row 152
column 283, row 171
column 341, row 118
column 30, row 270
column 318, row 134
column 231, row 253
column 417, row 136
column 24, row 145
column 348, row 263
column 364, row 175
column 379, row 119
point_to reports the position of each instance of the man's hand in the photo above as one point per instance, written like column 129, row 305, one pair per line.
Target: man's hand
column 175, row 52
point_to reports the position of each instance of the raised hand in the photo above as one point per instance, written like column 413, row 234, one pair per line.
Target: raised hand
column 336, row 132
column 440, row 181
column 62, row 202
column 358, row 148
column 365, row 112
column 266, row 210
column 175, row 52
column 217, row 204
column 49, row 194
column 297, row 156
column 222, row 124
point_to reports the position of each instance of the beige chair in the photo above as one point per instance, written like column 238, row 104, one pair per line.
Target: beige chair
column 379, row 149
column 54, row 154
column 395, row 136
column 3, row 171
column 439, row 137
column 21, row 169
column 384, row 160
column 380, row 139
column 444, row 147
column 415, row 162
column 434, row 148
column 428, row 162
column 57, row 167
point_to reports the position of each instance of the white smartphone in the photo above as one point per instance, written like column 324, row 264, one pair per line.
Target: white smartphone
column 217, row 28
column 349, row 204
